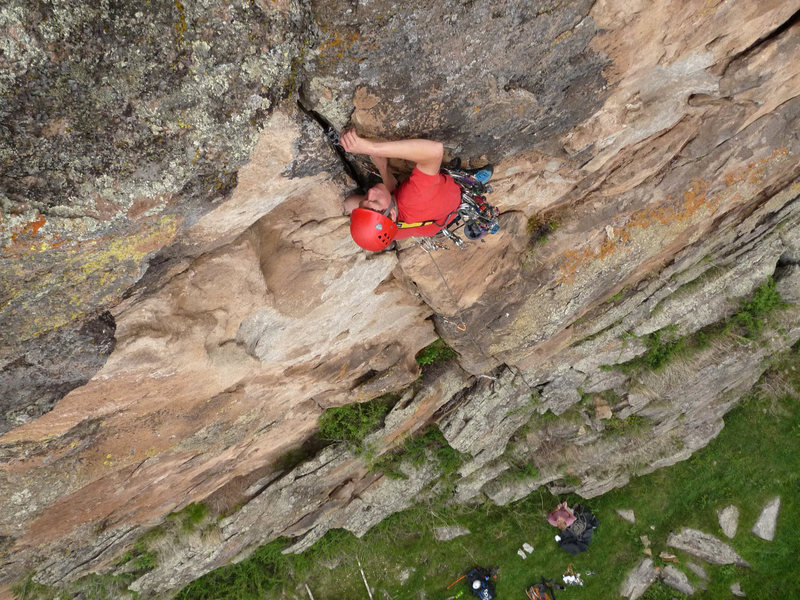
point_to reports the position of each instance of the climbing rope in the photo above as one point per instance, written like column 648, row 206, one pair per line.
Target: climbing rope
column 462, row 326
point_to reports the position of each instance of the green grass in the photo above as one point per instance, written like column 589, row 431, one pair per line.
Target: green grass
column 539, row 230
column 190, row 516
column 659, row 591
column 519, row 470
column 631, row 426
column 434, row 353
column 619, row 295
column 352, row 422
column 664, row 345
column 416, row 449
column 753, row 459
column 754, row 312
column 91, row 587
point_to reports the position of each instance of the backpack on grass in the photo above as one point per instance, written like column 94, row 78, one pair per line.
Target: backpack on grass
column 541, row 591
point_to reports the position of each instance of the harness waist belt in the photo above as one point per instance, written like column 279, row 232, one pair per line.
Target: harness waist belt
column 402, row 225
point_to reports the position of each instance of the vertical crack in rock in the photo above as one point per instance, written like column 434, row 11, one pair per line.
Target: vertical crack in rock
column 48, row 368
column 328, row 131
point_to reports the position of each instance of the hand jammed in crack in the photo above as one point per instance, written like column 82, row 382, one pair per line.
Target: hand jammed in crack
column 427, row 200
column 354, row 143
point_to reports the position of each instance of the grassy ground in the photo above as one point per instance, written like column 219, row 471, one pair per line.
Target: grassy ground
column 754, row 459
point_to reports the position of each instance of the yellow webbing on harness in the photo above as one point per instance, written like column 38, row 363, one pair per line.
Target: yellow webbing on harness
column 402, row 225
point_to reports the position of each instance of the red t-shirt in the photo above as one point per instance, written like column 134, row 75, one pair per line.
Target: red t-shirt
column 424, row 197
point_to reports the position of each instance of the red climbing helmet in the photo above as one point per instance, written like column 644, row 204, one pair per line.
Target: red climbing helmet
column 371, row 230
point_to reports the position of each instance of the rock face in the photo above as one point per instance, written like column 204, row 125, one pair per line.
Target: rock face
column 181, row 301
column 627, row 514
column 705, row 546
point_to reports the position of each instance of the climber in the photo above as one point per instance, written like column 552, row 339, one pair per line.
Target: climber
column 420, row 206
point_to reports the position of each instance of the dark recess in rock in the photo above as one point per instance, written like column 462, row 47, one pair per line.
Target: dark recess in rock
column 51, row 366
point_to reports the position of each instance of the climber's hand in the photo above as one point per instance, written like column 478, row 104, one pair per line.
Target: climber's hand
column 353, row 143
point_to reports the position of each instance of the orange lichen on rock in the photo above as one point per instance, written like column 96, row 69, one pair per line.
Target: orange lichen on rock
column 694, row 198
column 755, row 170
column 21, row 238
column 35, row 225
column 337, row 40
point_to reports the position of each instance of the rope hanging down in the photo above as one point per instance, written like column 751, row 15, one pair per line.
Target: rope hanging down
column 462, row 326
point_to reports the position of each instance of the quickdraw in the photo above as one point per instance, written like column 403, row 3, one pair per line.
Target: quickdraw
column 460, row 325
column 475, row 214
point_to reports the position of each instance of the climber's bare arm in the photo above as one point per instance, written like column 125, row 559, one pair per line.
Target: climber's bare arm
column 386, row 175
column 427, row 154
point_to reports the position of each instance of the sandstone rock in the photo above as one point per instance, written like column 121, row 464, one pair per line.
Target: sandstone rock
column 729, row 520
column 562, row 392
column 47, row 370
column 488, row 480
column 668, row 557
column 627, row 514
column 767, row 520
column 445, row 534
column 705, row 546
column 677, row 580
column 482, row 425
column 639, row 579
column 119, row 198
column 705, row 302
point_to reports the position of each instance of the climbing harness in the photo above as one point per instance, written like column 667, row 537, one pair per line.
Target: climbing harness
column 474, row 213
column 403, row 225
